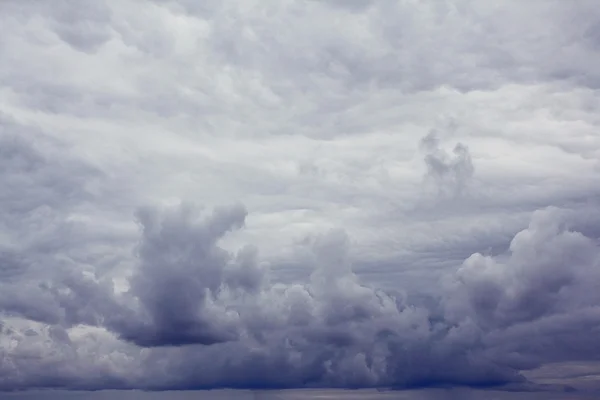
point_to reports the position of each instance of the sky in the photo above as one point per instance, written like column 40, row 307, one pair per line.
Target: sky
column 299, row 194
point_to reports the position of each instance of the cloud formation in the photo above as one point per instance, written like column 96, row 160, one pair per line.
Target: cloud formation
column 209, row 318
column 203, row 194
column 449, row 173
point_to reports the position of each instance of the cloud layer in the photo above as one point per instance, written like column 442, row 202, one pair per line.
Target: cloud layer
column 198, row 316
column 296, row 194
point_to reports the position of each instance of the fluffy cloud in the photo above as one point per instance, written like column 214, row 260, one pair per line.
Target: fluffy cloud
column 397, row 194
column 211, row 318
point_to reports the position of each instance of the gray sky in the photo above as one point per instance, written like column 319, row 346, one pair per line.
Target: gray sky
column 288, row 193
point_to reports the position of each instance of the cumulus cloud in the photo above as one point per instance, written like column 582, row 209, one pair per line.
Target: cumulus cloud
column 181, row 270
column 310, row 131
column 211, row 318
column 548, row 270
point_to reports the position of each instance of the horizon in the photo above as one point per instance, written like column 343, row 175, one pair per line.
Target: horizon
column 297, row 394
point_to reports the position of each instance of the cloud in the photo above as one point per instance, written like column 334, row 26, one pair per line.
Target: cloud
column 311, row 133
column 450, row 173
column 536, row 301
column 181, row 270
column 547, row 270
column 333, row 331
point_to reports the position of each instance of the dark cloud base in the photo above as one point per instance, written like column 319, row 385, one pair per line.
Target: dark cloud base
column 211, row 318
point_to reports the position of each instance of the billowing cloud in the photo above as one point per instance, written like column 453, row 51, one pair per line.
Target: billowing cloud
column 181, row 270
column 208, row 194
column 211, row 318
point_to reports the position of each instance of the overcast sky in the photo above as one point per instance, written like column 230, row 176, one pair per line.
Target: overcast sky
column 294, row 193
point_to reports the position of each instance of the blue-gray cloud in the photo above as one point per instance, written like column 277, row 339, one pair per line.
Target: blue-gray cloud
column 213, row 319
column 349, row 238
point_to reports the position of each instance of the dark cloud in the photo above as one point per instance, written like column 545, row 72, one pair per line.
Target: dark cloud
column 224, row 324
column 181, row 271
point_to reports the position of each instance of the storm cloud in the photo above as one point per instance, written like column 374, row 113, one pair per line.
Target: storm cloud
column 357, row 194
